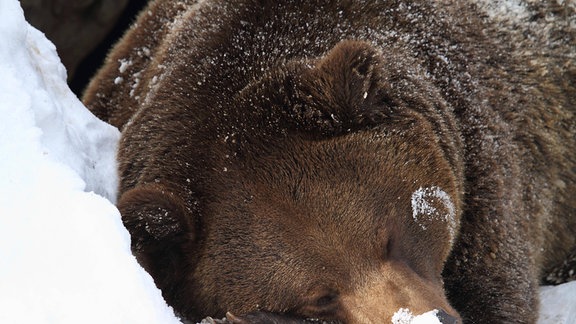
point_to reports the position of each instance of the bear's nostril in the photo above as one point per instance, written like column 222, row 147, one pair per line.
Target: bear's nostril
column 446, row 318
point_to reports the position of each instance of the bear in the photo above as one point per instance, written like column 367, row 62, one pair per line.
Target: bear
column 294, row 161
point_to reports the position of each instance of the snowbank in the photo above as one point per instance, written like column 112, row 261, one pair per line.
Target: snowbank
column 64, row 254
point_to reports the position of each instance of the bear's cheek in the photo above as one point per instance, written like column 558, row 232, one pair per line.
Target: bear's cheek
column 434, row 220
column 423, row 252
column 247, row 275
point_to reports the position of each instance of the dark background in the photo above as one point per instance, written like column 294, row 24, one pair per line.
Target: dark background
column 83, row 31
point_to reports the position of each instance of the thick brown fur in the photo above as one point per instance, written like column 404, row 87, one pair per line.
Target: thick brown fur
column 271, row 154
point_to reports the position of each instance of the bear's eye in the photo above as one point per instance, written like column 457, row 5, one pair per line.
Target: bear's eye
column 326, row 300
column 321, row 304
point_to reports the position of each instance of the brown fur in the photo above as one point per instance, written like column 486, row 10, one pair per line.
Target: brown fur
column 270, row 150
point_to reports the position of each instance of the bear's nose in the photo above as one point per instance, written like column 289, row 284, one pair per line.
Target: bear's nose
column 446, row 318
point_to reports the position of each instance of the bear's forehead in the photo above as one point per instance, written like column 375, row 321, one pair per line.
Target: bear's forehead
column 334, row 193
column 331, row 217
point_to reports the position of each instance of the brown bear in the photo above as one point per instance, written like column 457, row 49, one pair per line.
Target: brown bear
column 346, row 160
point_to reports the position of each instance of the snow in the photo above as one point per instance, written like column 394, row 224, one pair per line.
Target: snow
column 424, row 210
column 64, row 254
column 505, row 9
column 558, row 304
column 405, row 316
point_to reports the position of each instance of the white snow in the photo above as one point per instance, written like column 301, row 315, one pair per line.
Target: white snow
column 64, row 254
column 124, row 65
column 558, row 304
column 514, row 10
column 405, row 316
column 424, row 210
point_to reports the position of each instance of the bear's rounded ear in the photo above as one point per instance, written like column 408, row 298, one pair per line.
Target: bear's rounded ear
column 353, row 68
column 160, row 227
column 351, row 79
column 152, row 213
column 352, row 65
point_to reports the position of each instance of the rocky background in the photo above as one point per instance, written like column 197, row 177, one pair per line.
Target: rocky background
column 82, row 30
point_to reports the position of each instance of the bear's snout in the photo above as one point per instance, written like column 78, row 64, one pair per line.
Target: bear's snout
column 397, row 287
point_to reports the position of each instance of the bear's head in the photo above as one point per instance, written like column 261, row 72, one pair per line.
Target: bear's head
column 337, row 199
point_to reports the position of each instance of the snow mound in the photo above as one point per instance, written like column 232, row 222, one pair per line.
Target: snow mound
column 64, row 253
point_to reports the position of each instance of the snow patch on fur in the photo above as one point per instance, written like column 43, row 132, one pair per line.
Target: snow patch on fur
column 432, row 204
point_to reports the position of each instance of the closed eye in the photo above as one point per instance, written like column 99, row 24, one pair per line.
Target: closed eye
column 326, row 300
column 323, row 304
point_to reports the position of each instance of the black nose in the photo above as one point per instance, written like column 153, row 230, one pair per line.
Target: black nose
column 446, row 318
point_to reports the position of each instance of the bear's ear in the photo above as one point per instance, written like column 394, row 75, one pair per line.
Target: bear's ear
column 352, row 81
column 350, row 66
column 160, row 228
